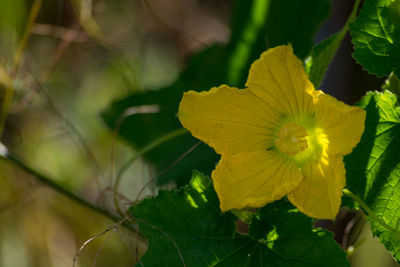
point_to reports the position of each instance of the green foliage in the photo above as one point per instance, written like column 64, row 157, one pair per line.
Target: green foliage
column 187, row 222
column 373, row 169
column 255, row 25
column 186, row 227
column 286, row 245
column 392, row 84
column 376, row 37
column 321, row 56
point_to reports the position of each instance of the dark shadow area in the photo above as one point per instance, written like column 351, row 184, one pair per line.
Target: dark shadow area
column 356, row 163
column 388, row 162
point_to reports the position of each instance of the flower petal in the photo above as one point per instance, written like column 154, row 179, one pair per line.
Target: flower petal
column 228, row 119
column 319, row 194
column 343, row 124
column 279, row 78
column 252, row 179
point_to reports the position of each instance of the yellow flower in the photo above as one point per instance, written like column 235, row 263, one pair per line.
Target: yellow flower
column 277, row 137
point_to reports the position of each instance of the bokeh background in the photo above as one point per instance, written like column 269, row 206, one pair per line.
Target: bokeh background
column 81, row 56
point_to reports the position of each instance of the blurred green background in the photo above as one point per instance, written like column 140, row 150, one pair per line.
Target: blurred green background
column 85, row 63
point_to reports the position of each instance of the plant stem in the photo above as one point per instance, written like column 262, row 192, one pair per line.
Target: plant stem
column 8, row 84
column 351, row 19
column 22, row 44
column 62, row 190
column 370, row 212
column 353, row 14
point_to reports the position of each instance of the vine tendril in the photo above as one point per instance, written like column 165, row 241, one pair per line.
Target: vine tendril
column 371, row 214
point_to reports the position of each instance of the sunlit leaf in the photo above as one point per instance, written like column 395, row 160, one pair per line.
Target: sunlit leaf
column 186, row 227
column 286, row 245
column 373, row 168
column 376, row 36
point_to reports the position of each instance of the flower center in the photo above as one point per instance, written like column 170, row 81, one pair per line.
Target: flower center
column 292, row 139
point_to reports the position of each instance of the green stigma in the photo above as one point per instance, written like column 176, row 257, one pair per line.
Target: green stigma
column 301, row 142
column 292, row 139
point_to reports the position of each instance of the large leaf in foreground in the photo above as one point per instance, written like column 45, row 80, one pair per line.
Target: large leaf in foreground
column 186, row 227
column 376, row 37
column 373, row 168
column 289, row 240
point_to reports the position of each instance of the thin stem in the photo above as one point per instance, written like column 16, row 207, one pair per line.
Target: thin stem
column 351, row 18
column 370, row 212
column 22, row 44
column 8, row 84
column 7, row 87
column 140, row 153
column 62, row 190
column 353, row 12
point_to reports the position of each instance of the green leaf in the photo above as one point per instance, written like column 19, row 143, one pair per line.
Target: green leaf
column 324, row 51
column 289, row 239
column 186, row 227
column 373, row 168
column 376, row 35
column 188, row 223
column 321, row 56
column 392, row 84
